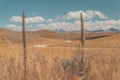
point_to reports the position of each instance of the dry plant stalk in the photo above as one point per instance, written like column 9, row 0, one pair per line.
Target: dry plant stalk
column 82, row 42
column 82, row 30
column 24, row 46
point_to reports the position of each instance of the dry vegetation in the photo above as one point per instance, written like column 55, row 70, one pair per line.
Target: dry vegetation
column 98, row 65
column 64, row 63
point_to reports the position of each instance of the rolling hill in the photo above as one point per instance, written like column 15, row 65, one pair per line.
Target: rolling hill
column 60, row 39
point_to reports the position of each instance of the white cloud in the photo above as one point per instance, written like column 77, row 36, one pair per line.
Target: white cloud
column 88, row 15
column 11, row 26
column 16, row 19
column 89, row 25
column 98, row 25
column 102, row 22
column 14, row 27
column 35, row 19
column 42, row 26
column 58, row 25
column 67, row 26
column 50, row 20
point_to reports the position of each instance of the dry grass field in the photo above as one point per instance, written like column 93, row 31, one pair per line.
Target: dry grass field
column 54, row 56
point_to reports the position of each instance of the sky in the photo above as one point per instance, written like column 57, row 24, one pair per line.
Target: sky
column 60, row 14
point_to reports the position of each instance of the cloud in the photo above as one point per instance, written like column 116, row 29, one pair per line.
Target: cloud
column 50, row 20
column 68, row 26
column 42, row 26
column 58, row 25
column 16, row 19
column 100, row 25
column 11, row 26
column 94, row 20
column 89, row 25
column 35, row 19
column 88, row 15
column 14, row 27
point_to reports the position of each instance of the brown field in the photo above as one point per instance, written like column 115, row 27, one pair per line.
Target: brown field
column 55, row 56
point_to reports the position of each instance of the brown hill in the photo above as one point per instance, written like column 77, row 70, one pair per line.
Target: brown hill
column 47, row 36
column 72, row 36
column 16, row 37
column 10, row 35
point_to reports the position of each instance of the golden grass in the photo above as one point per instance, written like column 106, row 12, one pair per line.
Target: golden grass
column 45, row 64
column 52, row 63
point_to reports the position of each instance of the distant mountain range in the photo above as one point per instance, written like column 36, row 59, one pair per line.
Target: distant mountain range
column 108, row 30
column 78, row 31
